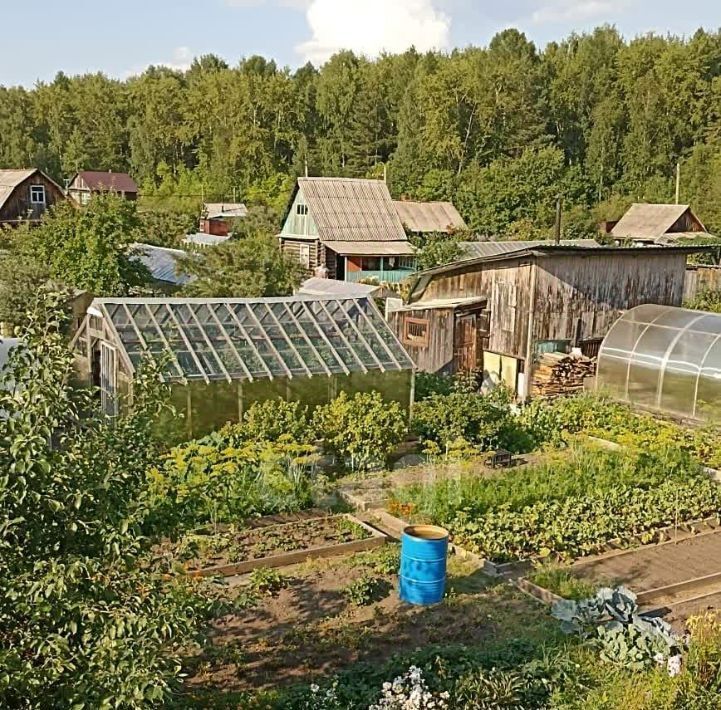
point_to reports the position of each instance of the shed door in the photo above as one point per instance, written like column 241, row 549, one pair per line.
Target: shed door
column 108, row 394
column 466, row 346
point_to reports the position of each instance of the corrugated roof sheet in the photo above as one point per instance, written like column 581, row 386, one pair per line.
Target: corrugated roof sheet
column 371, row 248
column 248, row 339
column 230, row 210
column 10, row 179
column 429, row 216
column 349, row 209
column 647, row 221
column 315, row 286
column 475, row 250
column 204, row 240
column 116, row 182
column 162, row 263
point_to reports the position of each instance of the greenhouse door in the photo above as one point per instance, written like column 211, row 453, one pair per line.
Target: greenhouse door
column 108, row 398
column 466, row 355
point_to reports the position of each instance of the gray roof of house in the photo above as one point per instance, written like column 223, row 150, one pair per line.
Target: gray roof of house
column 429, row 216
column 162, row 263
column 647, row 221
column 315, row 286
column 205, row 240
column 217, row 210
column 248, row 339
column 10, row 179
column 349, row 209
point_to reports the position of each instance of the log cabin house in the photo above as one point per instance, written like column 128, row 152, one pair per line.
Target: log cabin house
column 348, row 228
column 497, row 313
column 87, row 183
column 25, row 195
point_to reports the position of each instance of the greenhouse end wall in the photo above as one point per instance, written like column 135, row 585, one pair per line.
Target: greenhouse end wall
column 201, row 408
column 665, row 359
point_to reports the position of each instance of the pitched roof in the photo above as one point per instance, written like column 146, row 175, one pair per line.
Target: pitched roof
column 99, row 181
column 161, row 262
column 429, row 216
column 202, row 239
column 10, row 179
column 315, row 286
column 253, row 339
column 350, row 209
column 647, row 221
column 218, row 210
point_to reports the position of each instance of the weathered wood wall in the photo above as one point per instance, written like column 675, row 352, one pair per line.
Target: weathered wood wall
column 438, row 355
column 18, row 206
column 581, row 296
column 701, row 278
column 507, row 286
column 292, row 247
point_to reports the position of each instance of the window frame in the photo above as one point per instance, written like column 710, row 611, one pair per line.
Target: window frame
column 40, row 188
column 414, row 338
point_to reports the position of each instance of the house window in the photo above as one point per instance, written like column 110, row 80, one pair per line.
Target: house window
column 415, row 331
column 301, row 209
column 304, row 255
column 37, row 194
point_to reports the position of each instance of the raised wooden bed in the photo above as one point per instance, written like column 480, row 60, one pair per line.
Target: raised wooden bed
column 284, row 559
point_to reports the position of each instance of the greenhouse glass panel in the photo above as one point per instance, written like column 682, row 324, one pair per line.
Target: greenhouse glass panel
column 666, row 359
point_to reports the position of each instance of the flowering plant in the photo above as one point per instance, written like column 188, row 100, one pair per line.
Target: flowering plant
column 410, row 692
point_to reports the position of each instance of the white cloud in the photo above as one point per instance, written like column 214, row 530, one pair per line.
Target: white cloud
column 575, row 10
column 372, row 26
column 180, row 60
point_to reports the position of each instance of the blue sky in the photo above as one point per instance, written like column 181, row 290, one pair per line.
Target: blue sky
column 121, row 37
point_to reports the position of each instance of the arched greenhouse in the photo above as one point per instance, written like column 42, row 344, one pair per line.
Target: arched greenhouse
column 666, row 359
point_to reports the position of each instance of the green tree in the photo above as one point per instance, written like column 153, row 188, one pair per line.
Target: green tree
column 245, row 268
column 84, row 622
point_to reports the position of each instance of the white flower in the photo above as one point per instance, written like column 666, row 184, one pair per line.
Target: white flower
column 674, row 665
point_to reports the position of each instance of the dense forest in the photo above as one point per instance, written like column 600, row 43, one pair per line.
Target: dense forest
column 500, row 130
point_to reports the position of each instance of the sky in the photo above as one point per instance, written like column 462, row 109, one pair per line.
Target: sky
column 123, row 37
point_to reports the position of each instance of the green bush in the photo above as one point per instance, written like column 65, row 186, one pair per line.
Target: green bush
column 201, row 483
column 362, row 431
column 429, row 383
column 269, row 420
column 485, row 420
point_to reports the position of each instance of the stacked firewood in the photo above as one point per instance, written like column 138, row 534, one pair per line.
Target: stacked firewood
column 558, row 374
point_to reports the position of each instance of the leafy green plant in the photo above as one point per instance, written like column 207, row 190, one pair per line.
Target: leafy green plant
column 362, row 430
column 561, row 581
column 365, row 590
column 622, row 634
column 384, row 560
column 267, row 581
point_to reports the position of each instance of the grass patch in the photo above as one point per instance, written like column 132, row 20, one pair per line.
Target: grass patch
column 560, row 580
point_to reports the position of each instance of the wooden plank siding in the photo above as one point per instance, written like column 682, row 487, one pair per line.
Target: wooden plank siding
column 292, row 247
column 438, row 354
column 579, row 298
column 18, row 207
column 700, row 279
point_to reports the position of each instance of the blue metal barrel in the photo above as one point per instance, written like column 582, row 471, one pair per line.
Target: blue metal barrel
column 422, row 577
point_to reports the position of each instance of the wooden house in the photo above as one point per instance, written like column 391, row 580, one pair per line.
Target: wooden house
column 26, row 194
column 218, row 218
column 498, row 312
column 657, row 224
column 87, row 183
column 349, row 227
column 429, row 217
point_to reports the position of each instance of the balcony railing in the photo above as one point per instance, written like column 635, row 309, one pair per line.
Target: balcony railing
column 392, row 276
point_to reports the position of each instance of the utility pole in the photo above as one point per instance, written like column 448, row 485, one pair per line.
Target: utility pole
column 678, row 182
column 557, row 226
column 385, row 173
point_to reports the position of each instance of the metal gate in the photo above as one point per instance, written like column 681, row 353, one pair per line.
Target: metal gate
column 108, row 395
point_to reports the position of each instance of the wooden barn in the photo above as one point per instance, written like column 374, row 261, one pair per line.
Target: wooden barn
column 499, row 312
column 349, row 228
column 25, row 195
column 658, row 224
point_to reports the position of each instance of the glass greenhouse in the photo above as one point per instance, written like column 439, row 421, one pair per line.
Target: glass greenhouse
column 220, row 355
column 666, row 359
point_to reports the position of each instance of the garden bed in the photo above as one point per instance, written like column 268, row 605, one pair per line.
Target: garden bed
column 234, row 552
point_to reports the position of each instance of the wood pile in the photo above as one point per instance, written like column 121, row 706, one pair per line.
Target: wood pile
column 557, row 374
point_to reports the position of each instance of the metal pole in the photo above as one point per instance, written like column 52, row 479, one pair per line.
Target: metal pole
column 557, row 226
column 678, row 182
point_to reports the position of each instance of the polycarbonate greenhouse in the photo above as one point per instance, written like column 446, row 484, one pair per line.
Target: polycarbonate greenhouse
column 666, row 359
column 220, row 355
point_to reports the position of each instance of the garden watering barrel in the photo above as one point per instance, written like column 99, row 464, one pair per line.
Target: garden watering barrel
column 422, row 577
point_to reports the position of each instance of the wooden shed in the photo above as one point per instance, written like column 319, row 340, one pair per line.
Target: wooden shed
column 518, row 304
column 658, row 224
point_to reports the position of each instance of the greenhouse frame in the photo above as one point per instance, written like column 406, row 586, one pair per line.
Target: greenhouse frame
column 220, row 355
column 665, row 359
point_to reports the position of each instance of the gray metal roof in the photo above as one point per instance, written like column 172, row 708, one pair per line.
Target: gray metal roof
column 315, row 286
column 349, row 209
column 248, row 339
column 204, row 240
column 429, row 216
column 475, row 250
column 220, row 210
column 648, row 221
column 162, row 263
